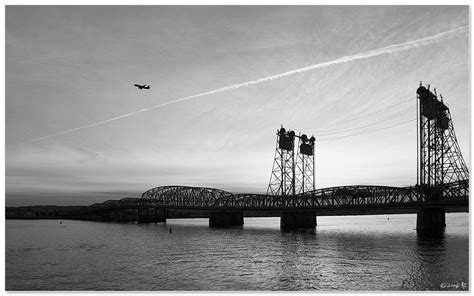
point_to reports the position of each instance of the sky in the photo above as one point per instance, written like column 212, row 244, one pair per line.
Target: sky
column 216, row 97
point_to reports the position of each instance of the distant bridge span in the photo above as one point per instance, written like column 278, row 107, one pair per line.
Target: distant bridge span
column 224, row 208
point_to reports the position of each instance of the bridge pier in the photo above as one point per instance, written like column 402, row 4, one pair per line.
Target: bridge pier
column 114, row 217
column 220, row 219
column 119, row 215
column 294, row 220
column 142, row 215
column 158, row 215
column 430, row 219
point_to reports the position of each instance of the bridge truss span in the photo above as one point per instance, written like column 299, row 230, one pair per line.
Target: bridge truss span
column 362, row 195
column 356, row 196
column 186, row 197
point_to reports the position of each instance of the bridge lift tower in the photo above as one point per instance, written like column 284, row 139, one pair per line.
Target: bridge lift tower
column 288, row 177
column 440, row 159
column 305, row 174
column 282, row 179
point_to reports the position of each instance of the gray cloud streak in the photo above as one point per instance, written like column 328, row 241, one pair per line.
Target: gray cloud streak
column 365, row 55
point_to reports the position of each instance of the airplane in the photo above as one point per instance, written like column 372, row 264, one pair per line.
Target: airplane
column 142, row 86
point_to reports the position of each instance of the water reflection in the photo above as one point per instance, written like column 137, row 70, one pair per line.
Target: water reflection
column 349, row 253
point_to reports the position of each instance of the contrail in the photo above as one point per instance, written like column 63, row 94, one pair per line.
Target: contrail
column 364, row 55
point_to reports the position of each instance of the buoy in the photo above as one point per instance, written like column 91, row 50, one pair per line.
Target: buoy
column 60, row 222
column 171, row 230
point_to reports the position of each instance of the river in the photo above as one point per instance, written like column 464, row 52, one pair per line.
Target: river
column 355, row 253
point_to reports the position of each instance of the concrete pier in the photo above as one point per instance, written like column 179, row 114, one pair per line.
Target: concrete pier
column 294, row 220
column 430, row 219
column 219, row 219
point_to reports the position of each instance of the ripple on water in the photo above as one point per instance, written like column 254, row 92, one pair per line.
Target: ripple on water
column 345, row 253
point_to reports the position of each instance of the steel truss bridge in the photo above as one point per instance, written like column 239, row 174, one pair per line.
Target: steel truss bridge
column 443, row 183
column 359, row 196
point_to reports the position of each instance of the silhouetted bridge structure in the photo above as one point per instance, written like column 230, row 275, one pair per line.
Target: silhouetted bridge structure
column 226, row 209
column 442, row 186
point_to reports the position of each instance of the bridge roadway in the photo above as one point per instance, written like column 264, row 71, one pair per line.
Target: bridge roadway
column 228, row 209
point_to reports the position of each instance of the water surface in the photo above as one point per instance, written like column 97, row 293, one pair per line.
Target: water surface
column 380, row 252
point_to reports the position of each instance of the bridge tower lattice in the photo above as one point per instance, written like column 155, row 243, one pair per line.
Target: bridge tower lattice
column 282, row 179
column 305, row 168
column 440, row 158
